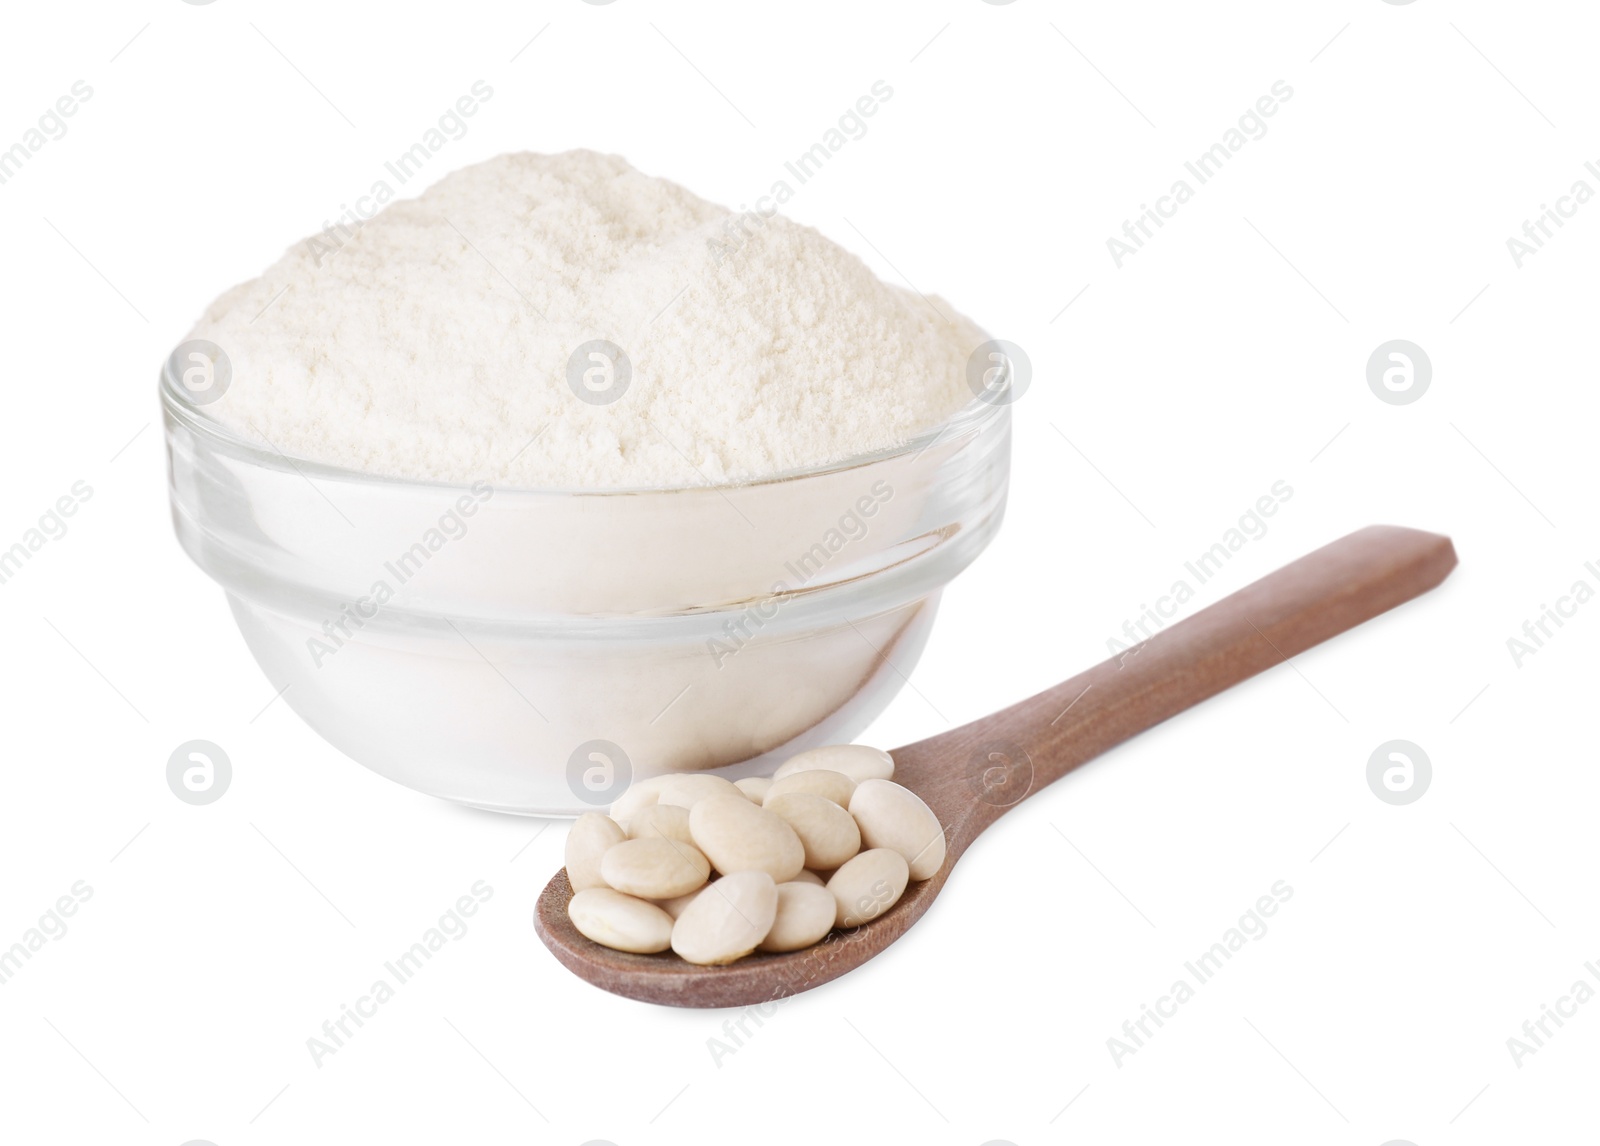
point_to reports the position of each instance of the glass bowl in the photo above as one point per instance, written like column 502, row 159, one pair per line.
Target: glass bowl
column 534, row 650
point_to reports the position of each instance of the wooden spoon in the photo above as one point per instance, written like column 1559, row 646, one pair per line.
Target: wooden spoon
column 970, row 775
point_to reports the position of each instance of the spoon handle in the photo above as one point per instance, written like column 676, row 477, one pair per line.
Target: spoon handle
column 974, row 773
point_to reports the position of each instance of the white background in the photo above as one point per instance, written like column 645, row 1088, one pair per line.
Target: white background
column 1227, row 355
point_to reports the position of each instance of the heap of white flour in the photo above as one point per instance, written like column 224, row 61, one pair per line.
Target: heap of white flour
column 435, row 342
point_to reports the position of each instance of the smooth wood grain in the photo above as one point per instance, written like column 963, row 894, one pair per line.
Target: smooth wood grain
column 972, row 775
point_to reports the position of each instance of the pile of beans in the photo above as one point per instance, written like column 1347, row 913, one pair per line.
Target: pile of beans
column 715, row 870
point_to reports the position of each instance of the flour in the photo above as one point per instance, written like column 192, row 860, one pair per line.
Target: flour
column 439, row 342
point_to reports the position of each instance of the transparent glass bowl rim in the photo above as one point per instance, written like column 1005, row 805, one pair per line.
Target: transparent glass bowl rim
column 975, row 414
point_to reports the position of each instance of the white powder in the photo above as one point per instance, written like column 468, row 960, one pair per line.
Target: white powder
column 435, row 342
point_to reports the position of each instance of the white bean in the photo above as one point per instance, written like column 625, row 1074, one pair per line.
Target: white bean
column 728, row 920
column 674, row 906
column 808, row 876
column 654, row 869
column 591, row 835
column 867, row 886
column 824, row 782
column 827, row 832
column 755, row 787
column 805, row 914
column 894, row 817
column 640, row 794
column 737, row 836
column 663, row 821
column 856, row 761
column 620, row 921
column 687, row 789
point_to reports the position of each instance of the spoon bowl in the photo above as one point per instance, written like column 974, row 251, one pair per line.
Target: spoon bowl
column 970, row 776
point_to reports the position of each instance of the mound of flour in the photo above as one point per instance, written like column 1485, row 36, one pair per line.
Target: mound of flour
column 438, row 340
